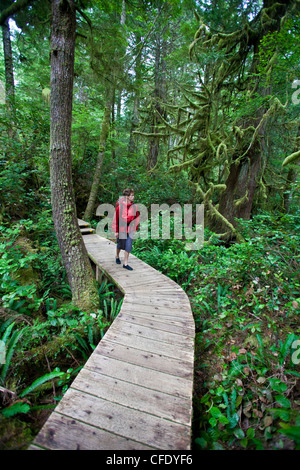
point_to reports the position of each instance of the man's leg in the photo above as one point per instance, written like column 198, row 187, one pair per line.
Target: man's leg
column 118, row 251
column 128, row 249
column 126, row 255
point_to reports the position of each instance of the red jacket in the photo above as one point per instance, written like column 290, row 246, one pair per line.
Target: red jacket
column 126, row 217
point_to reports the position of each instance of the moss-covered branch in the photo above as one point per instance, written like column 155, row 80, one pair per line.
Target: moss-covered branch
column 291, row 158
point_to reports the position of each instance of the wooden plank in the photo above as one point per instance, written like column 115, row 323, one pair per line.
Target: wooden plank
column 163, row 313
column 134, row 396
column 162, row 321
column 82, row 223
column 157, row 323
column 139, row 282
column 103, row 255
column 156, row 293
column 146, row 359
column 145, row 275
column 146, row 345
column 152, row 379
column 86, row 231
column 64, row 433
column 184, row 342
column 123, row 421
column 138, row 302
column 150, row 287
column 161, row 302
column 153, row 305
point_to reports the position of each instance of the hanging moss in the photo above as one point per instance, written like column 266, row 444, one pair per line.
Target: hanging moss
column 291, row 158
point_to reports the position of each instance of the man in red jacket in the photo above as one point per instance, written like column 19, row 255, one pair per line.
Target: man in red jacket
column 125, row 223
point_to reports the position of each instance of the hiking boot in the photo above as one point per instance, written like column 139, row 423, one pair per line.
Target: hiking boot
column 127, row 267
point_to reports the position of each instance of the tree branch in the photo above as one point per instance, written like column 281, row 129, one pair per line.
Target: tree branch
column 12, row 9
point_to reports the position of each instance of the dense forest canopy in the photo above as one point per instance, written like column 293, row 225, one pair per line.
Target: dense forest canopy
column 202, row 89
column 185, row 101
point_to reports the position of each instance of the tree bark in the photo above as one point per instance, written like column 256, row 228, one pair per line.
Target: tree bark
column 132, row 146
column 159, row 95
column 237, row 200
column 74, row 254
column 9, row 69
column 97, row 174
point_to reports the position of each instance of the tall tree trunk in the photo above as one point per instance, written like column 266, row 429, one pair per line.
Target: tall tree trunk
column 159, row 95
column 287, row 196
column 113, row 124
column 97, row 174
column 237, row 199
column 75, row 258
column 136, row 100
column 9, row 69
column 132, row 146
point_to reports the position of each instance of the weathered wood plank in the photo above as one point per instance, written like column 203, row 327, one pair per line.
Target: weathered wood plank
column 127, row 422
column 181, row 341
column 67, row 433
column 87, row 230
column 34, row 447
column 82, row 223
column 157, row 323
column 134, row 396
column 158, row 305
column 164, row 306
column 149, row 360
column 139, row 375
column 147, row 345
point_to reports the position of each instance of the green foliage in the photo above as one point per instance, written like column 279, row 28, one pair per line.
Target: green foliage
column 9, row 340
column 245, row 300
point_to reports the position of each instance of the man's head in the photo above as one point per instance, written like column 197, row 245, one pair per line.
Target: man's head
column 129, row 194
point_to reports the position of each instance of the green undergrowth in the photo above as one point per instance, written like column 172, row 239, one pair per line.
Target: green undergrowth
column 246, row 304
column 44, row 339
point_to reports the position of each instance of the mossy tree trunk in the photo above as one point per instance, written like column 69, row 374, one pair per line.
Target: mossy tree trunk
column 75, row 258
column 237, row 199
column 246, row 171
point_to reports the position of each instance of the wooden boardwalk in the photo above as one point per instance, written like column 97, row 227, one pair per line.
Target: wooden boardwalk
column 135, row 390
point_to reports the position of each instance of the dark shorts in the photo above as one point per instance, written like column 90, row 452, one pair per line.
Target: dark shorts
column 125, row 244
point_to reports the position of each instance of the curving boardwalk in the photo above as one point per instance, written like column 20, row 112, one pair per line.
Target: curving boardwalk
column 135, row 390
